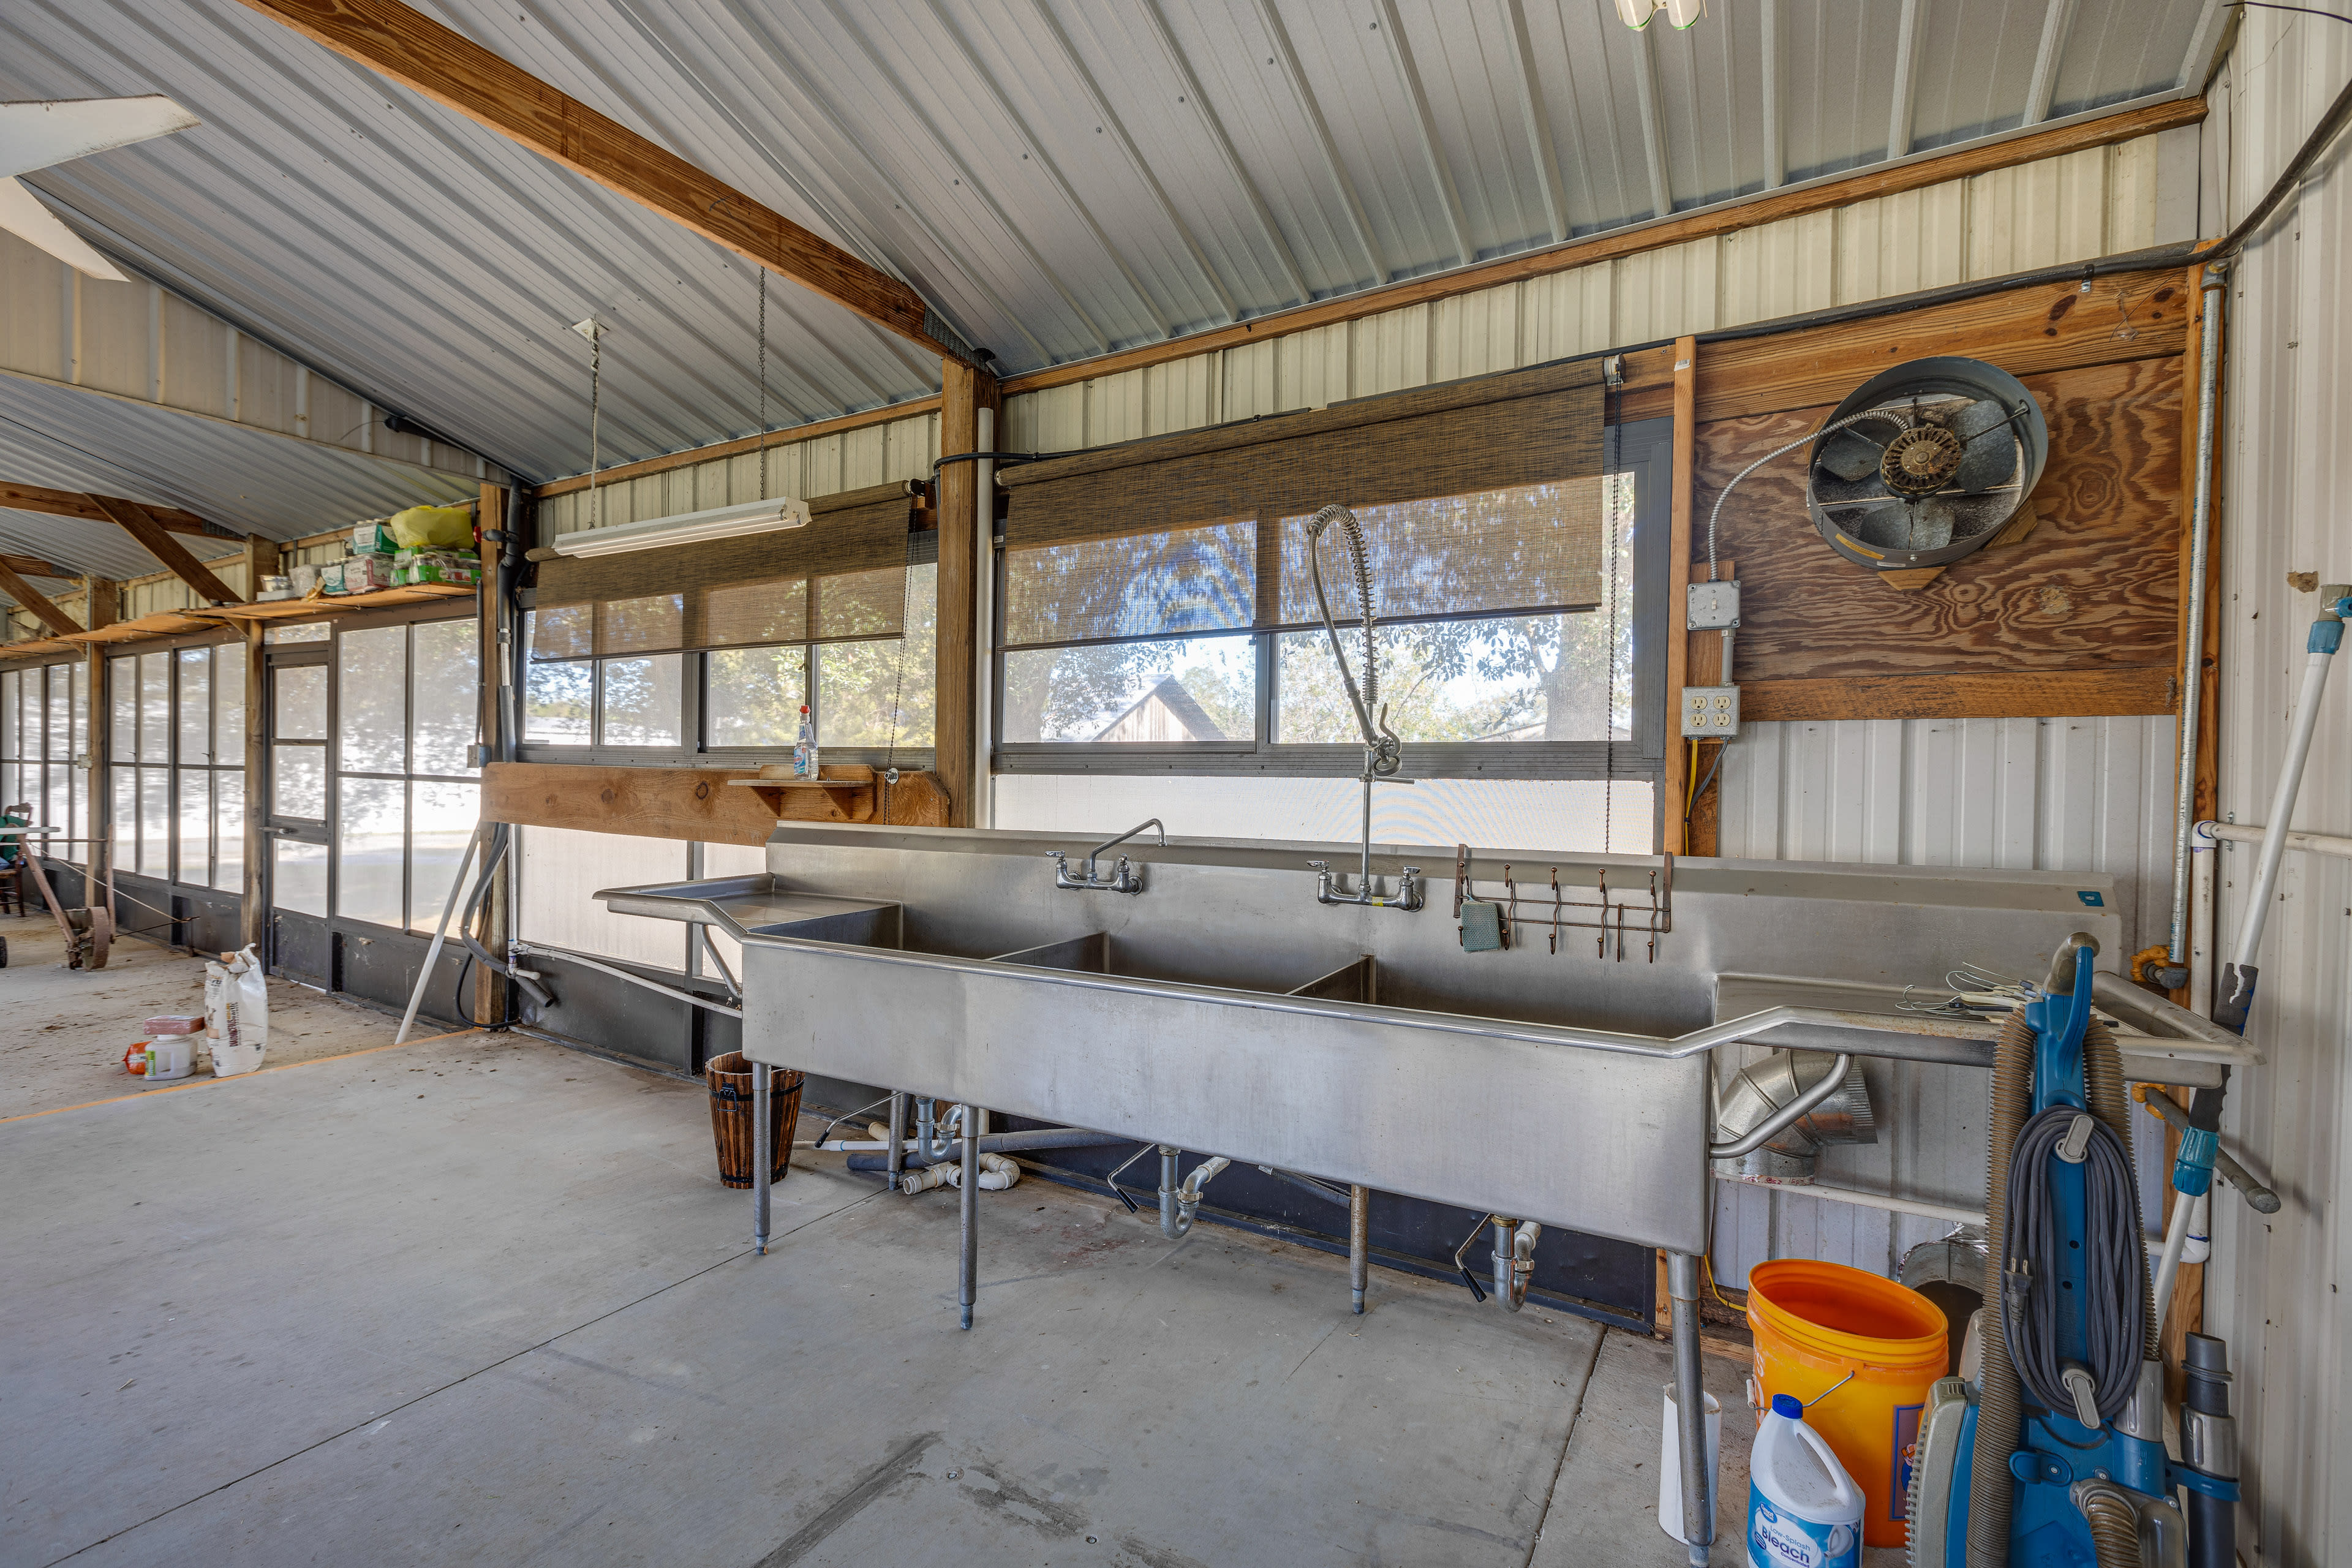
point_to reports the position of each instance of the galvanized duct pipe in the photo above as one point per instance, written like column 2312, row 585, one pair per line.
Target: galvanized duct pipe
column 2192, row 648
column 1760, row 1090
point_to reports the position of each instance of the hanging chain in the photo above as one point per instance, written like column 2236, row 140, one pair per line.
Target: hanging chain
column 763, row 384
column 595, row 417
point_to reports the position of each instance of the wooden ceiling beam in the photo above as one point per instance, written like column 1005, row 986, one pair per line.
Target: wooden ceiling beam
column 74, row 503
column 32, row 599
column 135, row 520
column 34, row 566
column 452, row 70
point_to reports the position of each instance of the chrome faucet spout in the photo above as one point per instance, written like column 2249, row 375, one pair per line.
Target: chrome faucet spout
column 1383, row 750
column 1125, row 878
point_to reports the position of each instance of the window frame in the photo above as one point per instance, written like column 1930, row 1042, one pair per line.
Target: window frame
column 1644, row 448
column 44, row 757
column 175, row 873
column 695, row 748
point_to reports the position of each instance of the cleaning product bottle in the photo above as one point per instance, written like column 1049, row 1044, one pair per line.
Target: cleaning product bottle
column 1804, row 1510
column 804, row 763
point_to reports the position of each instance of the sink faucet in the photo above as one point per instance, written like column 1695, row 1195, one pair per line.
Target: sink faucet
column 1124, row 879
column 1383, row 752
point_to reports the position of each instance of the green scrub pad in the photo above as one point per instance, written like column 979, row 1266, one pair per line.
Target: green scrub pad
column 1482, row 926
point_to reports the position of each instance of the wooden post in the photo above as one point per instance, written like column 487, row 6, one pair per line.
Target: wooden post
column 490, row 989
column 1703, row 666
column 1676, row 780
column 260, row 560
column 102, row 605
column 964, row 392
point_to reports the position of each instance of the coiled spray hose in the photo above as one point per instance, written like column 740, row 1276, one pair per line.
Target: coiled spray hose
column 1388, row 752
column 2000, row 1416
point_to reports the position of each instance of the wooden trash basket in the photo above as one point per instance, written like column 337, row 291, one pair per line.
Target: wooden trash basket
column 731, row 1117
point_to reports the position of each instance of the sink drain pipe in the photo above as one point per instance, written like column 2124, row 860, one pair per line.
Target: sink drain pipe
column 909, row 1159
column 1180, row 1202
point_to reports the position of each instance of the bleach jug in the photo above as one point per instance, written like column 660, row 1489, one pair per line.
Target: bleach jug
column 1804, row 1510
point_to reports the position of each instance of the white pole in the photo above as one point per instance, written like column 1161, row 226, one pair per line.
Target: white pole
column 983, row 686
column 440, row 932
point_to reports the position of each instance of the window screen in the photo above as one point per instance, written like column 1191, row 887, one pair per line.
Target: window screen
column 1478, row 498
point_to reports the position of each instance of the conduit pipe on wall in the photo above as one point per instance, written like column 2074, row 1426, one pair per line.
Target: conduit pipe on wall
column 2335, row 844
column 2174, row 974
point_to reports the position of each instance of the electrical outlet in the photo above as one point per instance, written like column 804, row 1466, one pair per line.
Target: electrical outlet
column 1713, row 606
column 1710, row 712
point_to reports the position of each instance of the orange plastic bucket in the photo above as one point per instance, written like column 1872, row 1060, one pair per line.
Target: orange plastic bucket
column 1868, row 1350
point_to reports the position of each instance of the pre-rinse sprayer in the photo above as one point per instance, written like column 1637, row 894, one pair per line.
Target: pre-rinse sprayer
column 1383, row 752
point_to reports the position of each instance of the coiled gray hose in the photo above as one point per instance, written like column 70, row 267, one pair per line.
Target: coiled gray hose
column 2112, row 1264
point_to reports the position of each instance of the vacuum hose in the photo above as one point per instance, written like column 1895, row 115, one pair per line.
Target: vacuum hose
column 2000, row 1417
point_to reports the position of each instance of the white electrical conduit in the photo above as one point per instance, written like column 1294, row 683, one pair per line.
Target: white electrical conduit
column 2335, row 844
column 521, row 948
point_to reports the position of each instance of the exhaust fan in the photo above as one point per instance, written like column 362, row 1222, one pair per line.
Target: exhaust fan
column 1924, row 463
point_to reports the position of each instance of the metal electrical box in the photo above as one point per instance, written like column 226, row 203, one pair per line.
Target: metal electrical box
column 1710, row 712
column 1712, row 606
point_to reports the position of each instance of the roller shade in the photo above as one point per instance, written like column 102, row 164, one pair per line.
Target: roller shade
column 843, row 575
column 1479, row 497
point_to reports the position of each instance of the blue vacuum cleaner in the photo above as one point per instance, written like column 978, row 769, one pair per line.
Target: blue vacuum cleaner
column 2052, row 1454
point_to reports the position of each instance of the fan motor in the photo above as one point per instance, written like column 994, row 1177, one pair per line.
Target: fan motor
column 1921, row 460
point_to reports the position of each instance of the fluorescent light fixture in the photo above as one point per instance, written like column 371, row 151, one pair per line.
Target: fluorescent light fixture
column 687, row 528
column 1636, row 14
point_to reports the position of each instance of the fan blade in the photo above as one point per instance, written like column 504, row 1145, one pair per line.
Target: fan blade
column 1886, row 526
column 1977, row 418
column 1932, row 522
column 22, row 214
column 37, row 134
column 1850, row 456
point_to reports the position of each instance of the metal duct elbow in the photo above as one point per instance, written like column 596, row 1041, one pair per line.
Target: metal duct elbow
column 1762, row 1090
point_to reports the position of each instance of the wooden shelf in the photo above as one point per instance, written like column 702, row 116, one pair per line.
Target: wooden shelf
column 850, row 792
column 337, row 604
column 179, row 623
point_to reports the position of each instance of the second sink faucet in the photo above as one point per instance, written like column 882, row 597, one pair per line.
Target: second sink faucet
column 1383, row 752
column 1124, row 879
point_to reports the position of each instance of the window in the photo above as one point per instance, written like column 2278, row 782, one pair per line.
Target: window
column 44, row 733
column 667, row 654
column 405, row 792
column 176, row 731
column 859, row 649
column 1158, row 610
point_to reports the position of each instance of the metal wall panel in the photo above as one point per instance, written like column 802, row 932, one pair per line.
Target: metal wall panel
column 2073, row 208
column 2278, row 1288
column 853, row 459
column 2092, row 794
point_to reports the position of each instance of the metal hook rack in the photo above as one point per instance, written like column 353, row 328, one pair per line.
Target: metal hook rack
column 1609, row 917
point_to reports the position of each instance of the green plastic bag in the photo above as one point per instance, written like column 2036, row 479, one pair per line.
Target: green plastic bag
column 432, row 528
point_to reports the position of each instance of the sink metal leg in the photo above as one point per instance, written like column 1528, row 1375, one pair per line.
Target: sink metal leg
column 1690, row 1407
column 1359, row 1247
column 967, row 1276
column 897, row 1136
column 763, row 1156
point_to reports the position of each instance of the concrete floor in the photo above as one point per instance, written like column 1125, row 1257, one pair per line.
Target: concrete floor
column 68, row 1028
column 482, row 1300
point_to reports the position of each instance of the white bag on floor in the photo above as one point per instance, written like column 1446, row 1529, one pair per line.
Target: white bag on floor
column 237, row 1013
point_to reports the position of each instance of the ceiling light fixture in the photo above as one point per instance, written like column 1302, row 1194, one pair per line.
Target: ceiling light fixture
column 1636, row 14
column 686, row 527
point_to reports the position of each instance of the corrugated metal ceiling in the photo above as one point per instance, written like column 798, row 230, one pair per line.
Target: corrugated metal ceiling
column 63, row 438
column 1058, row 177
